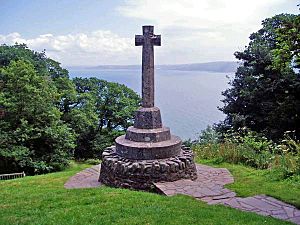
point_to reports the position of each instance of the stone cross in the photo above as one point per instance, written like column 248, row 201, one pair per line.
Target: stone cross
column 147, row 40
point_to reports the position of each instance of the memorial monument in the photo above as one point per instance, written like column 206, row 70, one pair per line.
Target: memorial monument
column 147, row 153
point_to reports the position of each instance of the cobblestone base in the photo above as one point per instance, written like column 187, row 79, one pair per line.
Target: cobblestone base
column 117, row 171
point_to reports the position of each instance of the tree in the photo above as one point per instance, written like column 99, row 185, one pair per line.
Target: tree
column 102, row 112
column 287, row 52
column 43, row 66
column 95, row 111
column 264, row 93
column 32, row 136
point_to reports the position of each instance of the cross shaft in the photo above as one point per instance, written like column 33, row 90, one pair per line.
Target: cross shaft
column 148, row 40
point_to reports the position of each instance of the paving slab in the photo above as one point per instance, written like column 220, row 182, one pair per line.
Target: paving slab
column 87, row 178
column 209, row 187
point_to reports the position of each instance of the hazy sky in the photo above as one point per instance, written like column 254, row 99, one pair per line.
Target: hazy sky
column 96, row 32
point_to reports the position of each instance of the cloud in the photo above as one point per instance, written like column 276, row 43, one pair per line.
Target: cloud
column 192, row 31
column 201, row 30
column 197, row 13
column 94, row 48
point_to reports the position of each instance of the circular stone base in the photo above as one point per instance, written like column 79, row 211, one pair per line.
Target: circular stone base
column 147, row 150
column 117, row 171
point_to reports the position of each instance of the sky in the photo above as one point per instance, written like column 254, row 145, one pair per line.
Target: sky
column 101, row 32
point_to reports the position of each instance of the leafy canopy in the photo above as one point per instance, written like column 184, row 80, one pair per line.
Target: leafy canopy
column 32, row 135
column 264, row 95
column 47, row 118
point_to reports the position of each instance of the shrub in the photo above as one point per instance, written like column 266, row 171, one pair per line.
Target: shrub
column 93, row 161
column 251, row 149
column 288, row 162
column 209, row 135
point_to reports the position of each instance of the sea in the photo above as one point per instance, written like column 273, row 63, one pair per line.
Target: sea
column 188, row 100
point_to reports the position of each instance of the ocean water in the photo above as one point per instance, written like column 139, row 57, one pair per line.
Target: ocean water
column 188, row 100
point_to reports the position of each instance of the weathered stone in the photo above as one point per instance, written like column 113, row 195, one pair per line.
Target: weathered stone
column 163, row 167
column 135, row 166
column 209, row 187
column 149, row 171
column 144, row 150
column 148, row 40
column 172, row 167
column 148, row 135
column 148, row 118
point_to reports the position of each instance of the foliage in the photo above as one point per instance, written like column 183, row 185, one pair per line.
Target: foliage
column 209, row 135
column 44, row 200
column 32, row 136
column 102, row 112
column 43, row 66
column 21, row 52
column 49, row 118
column 251, row 149
column 264, row 93
column 93, row 161
column 288, row 162
column 287, row 54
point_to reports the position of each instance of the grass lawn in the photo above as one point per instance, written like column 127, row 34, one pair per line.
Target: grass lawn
column 249, row 182
column 43, row 200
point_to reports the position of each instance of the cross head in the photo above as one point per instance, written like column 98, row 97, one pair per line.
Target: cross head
column 148, row 40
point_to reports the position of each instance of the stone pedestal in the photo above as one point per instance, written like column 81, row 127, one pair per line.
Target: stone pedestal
column 147, row 153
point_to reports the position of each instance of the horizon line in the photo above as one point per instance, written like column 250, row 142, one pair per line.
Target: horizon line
column 220, row 61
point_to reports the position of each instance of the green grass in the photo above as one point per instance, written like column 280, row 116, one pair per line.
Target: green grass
column 43, row 200
column 249, row 182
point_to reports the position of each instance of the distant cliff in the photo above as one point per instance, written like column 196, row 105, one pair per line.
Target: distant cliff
column 219, row 66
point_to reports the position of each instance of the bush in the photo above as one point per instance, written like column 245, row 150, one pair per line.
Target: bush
column 288, row 162
column 93, row 161
column 91, row 146
column 251, row 149
column 209, row 135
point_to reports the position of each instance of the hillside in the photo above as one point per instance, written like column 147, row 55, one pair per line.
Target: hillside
column 219, row 66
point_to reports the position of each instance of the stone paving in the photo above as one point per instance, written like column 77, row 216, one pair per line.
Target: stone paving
column 87, row 178
column 208, row 187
